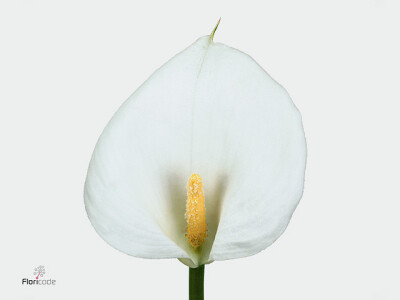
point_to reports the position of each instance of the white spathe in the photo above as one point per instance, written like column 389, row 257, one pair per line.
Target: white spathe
column 210, row 110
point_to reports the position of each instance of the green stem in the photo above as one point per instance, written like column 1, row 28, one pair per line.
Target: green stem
column 196, row 283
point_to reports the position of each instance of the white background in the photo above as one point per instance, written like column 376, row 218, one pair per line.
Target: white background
column 66, row 67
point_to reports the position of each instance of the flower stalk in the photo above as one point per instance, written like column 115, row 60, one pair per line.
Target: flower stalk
column 196, row 283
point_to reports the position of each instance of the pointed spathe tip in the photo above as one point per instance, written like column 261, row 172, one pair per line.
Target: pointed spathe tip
column 214, row 30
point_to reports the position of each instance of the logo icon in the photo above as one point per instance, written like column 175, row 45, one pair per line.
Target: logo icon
column 39, row 271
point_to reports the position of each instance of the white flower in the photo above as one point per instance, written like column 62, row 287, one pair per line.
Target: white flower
column 210, row 110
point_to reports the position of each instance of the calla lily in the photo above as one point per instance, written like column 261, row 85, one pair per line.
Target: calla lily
column 212, row 112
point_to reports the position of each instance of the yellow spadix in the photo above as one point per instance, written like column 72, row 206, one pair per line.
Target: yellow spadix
column 196, row 230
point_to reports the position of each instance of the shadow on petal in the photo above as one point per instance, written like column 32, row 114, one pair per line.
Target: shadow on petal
column 214, row 204
column 175, row 185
